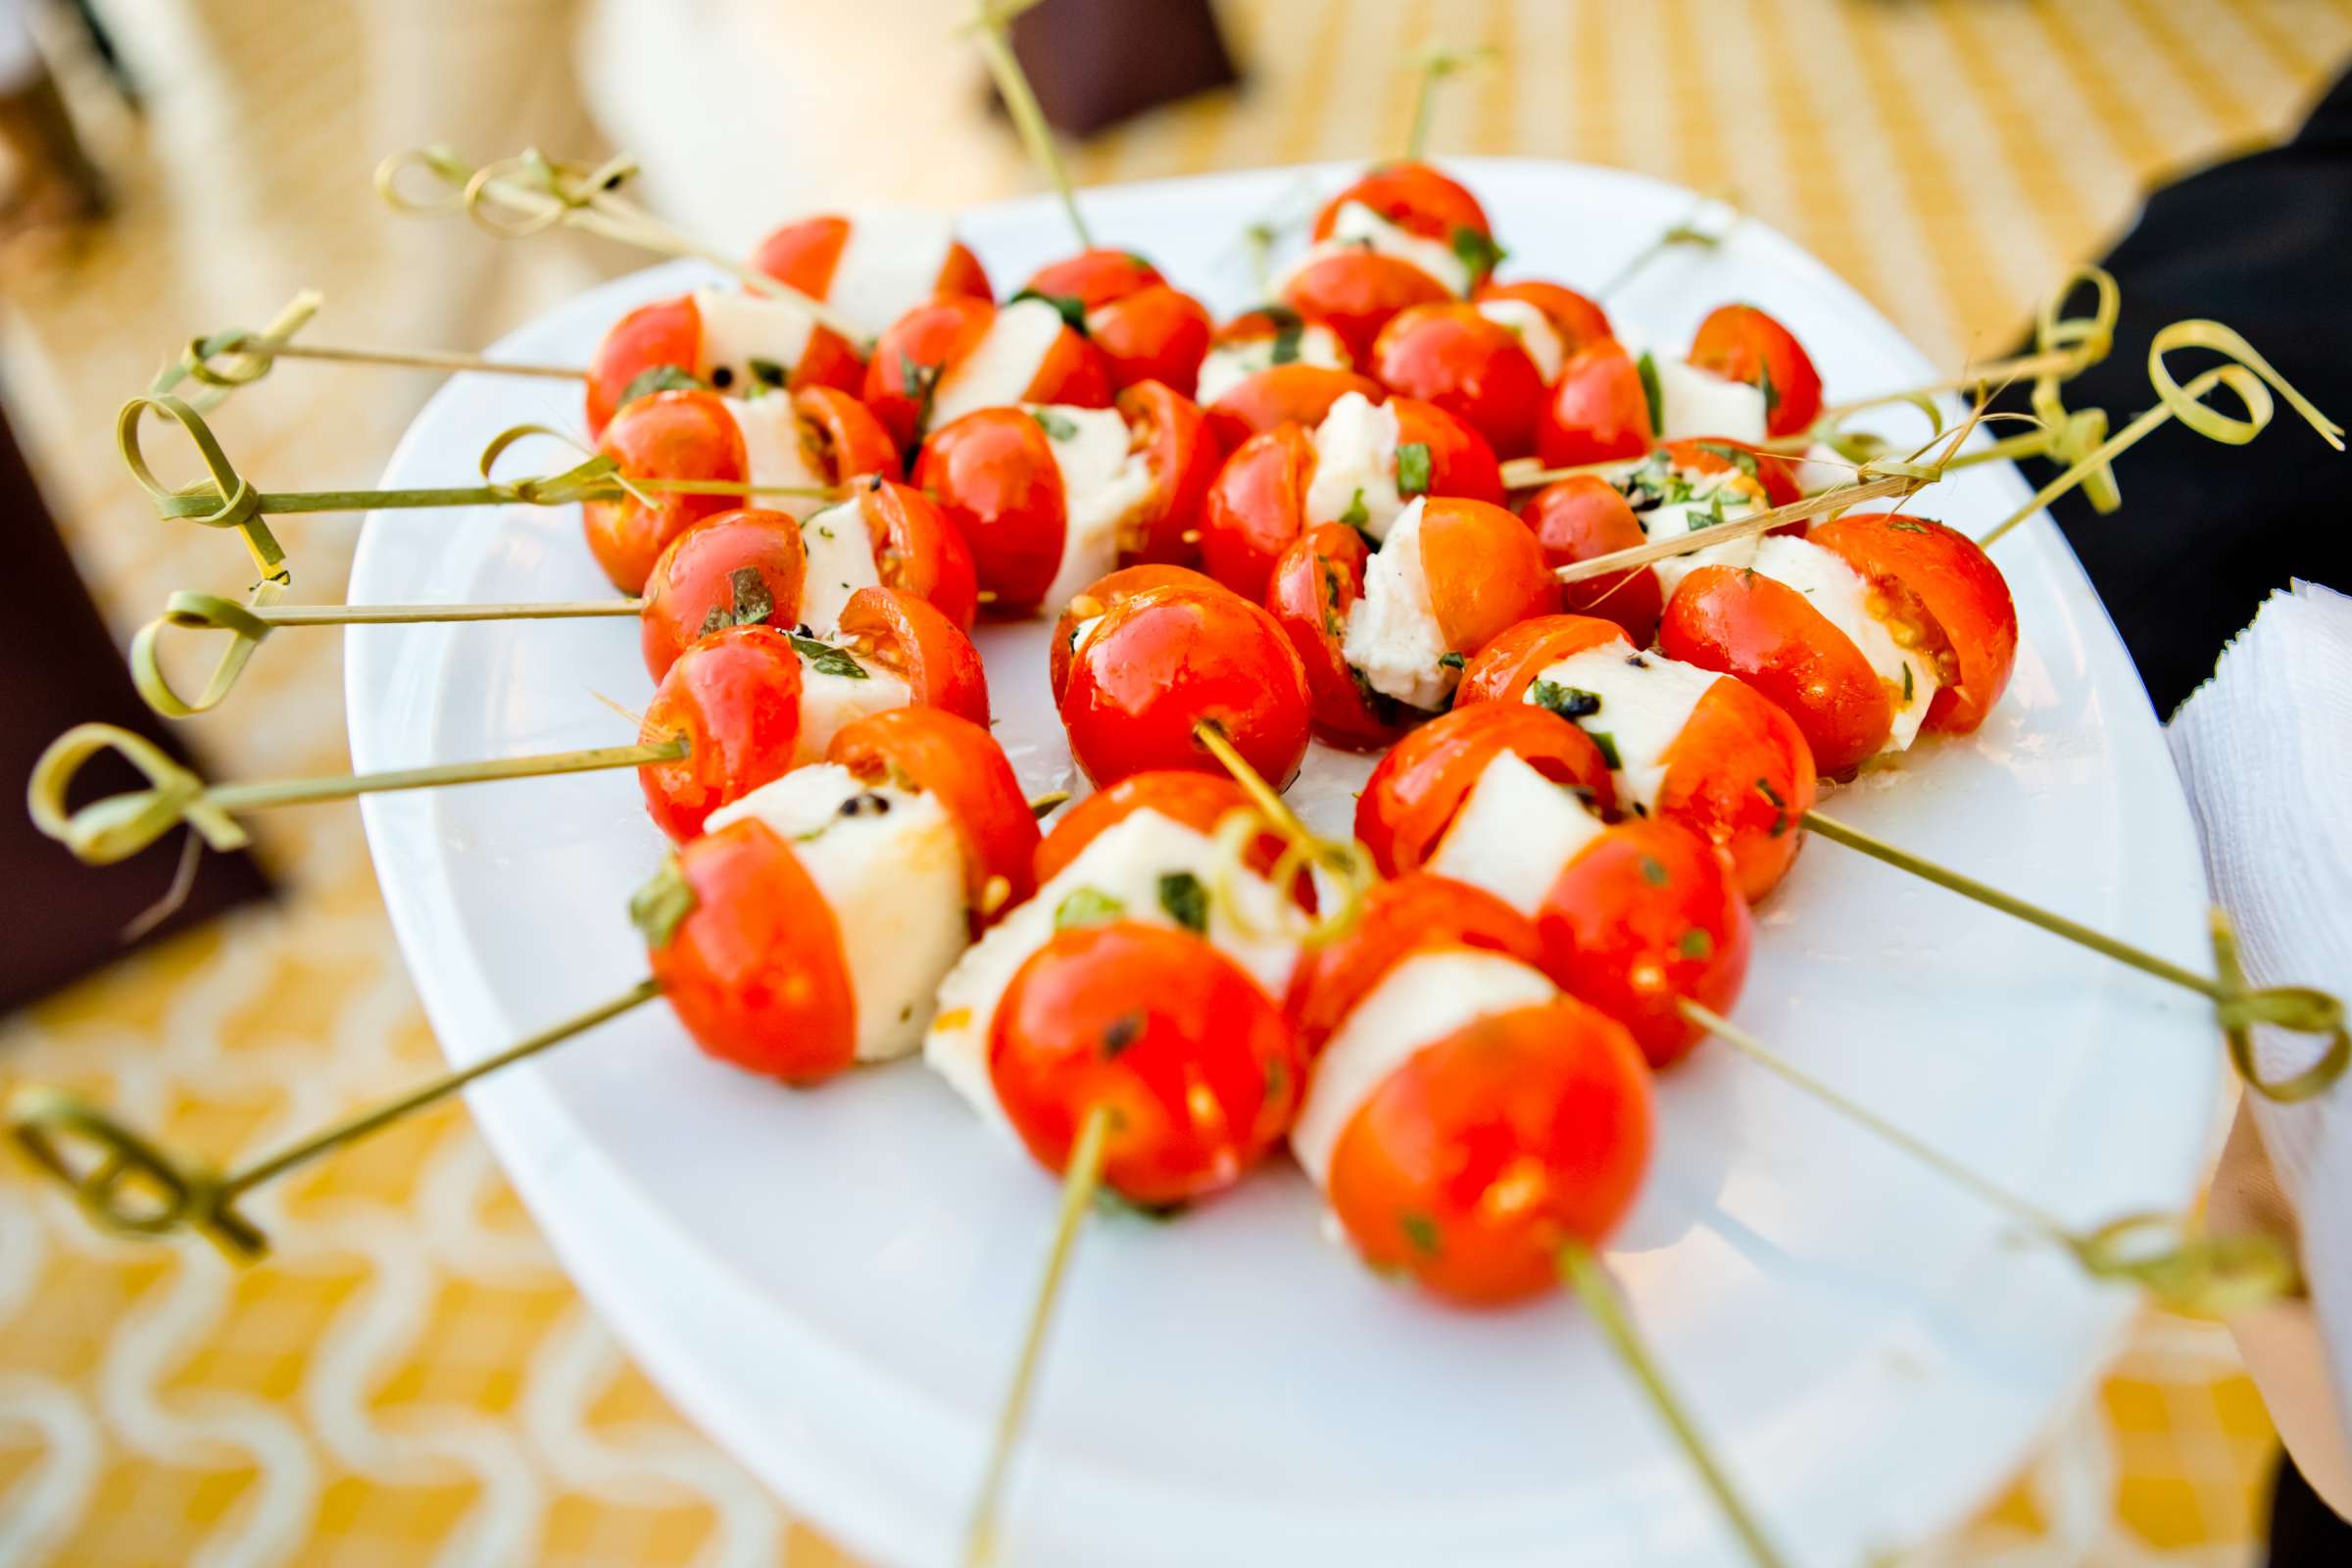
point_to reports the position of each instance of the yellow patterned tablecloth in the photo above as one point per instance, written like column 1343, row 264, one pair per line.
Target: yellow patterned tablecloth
column 414, row 1379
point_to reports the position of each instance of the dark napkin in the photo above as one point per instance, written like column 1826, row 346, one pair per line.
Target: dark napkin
column 1094, row 62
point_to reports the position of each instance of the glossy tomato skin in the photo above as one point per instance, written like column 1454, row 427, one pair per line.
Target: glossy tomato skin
column 917, row 551
column 1197, row 1069
column 1485, row 570
column 1200, row 802
column 735, row 696
column 807, row 253
column 1448, row 355
column 664, row 332
column 1743, row 344
column 1313, row 583
column 1503, row 670
column 1740, row 776
column 1944, row 585
column 1768, row 635
column 1255, row 507
column 756, row 970
column 1296, row 393
column 1645, row 917
column 957, row 761
column 1104, row 593
column 1414, row 913
column 696, row 577
column 913, row 353
column 1146, row 330
column 1492, row 1148
column 1576, row 319
column 993, row 476
column 1460, row 462
column 844, row 436
column 912, row 640
column 1418, row 788
column 669, row 435
column 1165, row 660
column 1169, row 428
column 1776, row 472
column 1583, row 516
column 1412, row 195
column 1598, row 412
column 1357, row 292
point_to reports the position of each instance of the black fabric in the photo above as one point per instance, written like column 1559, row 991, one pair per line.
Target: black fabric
column 2262, row 243
column 2305, row 1532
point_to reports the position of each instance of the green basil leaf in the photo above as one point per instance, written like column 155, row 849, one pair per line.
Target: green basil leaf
column 1569, row 702
column 658, row 907
column 659, row 378
column 1652, row 392
column 828, row 659
column 1355, row 516
column 1186, row 901
column 753, row 604
column 1412, row 468
column 1058, row 427
column 1087, row 906
column 1069, row 307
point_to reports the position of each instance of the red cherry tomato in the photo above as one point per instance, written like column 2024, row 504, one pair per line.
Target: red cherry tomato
column 1645, row 917
column 1170, row 657
column 1105, row 593
column 1460, row 462
column 1171, row 432
column 1580, row 517
column 1486, row 571
column 1598, row 411
column 1412, row 914
column 1312, row 342
column 1255, row 508
column 1314, row 584
column 1578, row 319
column 1356, row 293
column 1200, row 802
column 1476, row 369
column 1740, row 776
column 1283, row 394
column 843, row 436
column 666, row 333
column 756, row 970
column 962, row 763
column 992, row 473
column 807, row 253
column 1743, row 344
column 925, row 347
column 735, row 697
column 697, row 579
column 1418, row 788
column 1775, row 472
column 1197, row 1069
column 1412, row 195
column 1492, row 1149
column 1768, row 635
column 914, row 641
column 1147, row 330
column 917, row 551
column 671, row 436
column 1503, row 670
column 1948, row 589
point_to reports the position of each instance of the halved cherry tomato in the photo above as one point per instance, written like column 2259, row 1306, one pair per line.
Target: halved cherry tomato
column 669, row 435
column 1598, row 411
column 1946, row 586
column 1740, row 776
column 1768, row 635
column 1492, row 1149
column 1356, row 292
column 756, row 970
column 1284, row 394
column 1314, row 584
column 992, row 473
column 1503, row 670
column 1407, row 914
column 1448, row 355
column 1775, row 472
column 1146, row 330
column 735, row 697
column 1170, row 431
column 925, row 346
column 666, row 333
column 912, row 640
column 1583, row 516
column 1645, row 917
column 1255, row 508
column 917, row 551
column 1263, row 339
column 1104, row 595
column 1418, row 788
column 843, row 436
column 1197, row 1069
column 941, row 754
column 1576, row 319
column 1486, row 571
column 1200, row 802
column 1742, row 343
column 1170, row 657
column 1412, row 195
column 807, row 253
column 698, row 586
column 1460, row 462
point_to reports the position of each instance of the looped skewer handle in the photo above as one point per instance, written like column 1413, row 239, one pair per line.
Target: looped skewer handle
column 2300, row 1009
column 2192, row 1273
column 226, row 501
column 196, row 611
column 131, row 1186
column 1346, row 872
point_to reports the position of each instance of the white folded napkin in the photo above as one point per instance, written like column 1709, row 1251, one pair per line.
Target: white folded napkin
column 2265, row 751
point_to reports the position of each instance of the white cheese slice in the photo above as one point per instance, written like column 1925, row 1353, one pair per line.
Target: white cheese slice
column 1357, row 226
column 1674, row 518
column 841, row 560
column 829, row 701
column 771, row 442
column 1535, row 332
column 889, row 265
column 1001, row 364
column 891, row 867
column 1514, row 833
column 1824, row 465
column 1695, row 402
column 1355, row 466
column 1124, row 864
column 1102, row 485
column 1646, row 700
column 1418, row 1002
column 1393, row 634
column 1842, row 594
column 739, row 327
column 1228, row 365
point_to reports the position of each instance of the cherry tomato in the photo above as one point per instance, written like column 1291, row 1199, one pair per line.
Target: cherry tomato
column 924, row 348
column 1170, row 431
column 957, row 761
column 1950, row 593
column 917, row 551
column 992, row 473
column 1460, row 462
column 735, row 697
column 671, row 436
column 1200, row 802
column 1775, row 472
column 756, row 970
column 1314, row 584
column 1582, row 516
column 1147, row 330
column 1104, row 595
column 1414, row 196
column 806, row 254
column 1284, row 394
column 666, row 336
column 1486, row 571
column 1503, row 670
column 1476, row 369
column 1356, row 292
column 1768, row 635
column 1578, row 319
column 1492, row 1149
column 1169, row 657
column 697, row 586
column 912, row 640
column 843, row 436
column 1598, row 411
column 1418, row 788
column 1256, row 506
column 1407, row 914
column 1740, row 776
column 1743, row 344
column 1645, row 917
column 1197, row 1069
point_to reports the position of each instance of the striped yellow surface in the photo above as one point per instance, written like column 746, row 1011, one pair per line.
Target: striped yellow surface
column 414, row 1379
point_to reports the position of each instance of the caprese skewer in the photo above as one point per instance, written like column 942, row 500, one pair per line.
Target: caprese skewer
column 873, row 267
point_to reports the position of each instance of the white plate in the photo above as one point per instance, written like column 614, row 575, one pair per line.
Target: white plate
column 832, row 1283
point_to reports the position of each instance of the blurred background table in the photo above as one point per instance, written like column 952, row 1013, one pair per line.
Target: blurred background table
column 413, row 1379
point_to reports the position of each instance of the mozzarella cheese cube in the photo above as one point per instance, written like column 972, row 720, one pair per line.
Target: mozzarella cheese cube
column 1392, row 636
column 1723, row 494
column 1840, row 593
column 1694, row 403
column 1357, row 227
column 1002, row 366
column 1421, row 1001
column 1646, row 700
column 1103, row 486
column 890, row 864
column 1535, row 332
column 1824, row 467
column 1355, row 466
column 831, row 700
column 841, row 560
column 1228, row 365
column 1514, row 833
column 749, row 340
column 1125, row 865
column 775, row 453
column 889, row 265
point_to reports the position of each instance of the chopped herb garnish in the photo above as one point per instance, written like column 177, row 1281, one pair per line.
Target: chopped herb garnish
column 1654, row 872
column 1476, row 251
column 1111, row 1204
column 1772, row 393
column 828, row 659
column 656, row 907
column 1186, row 901
column 1906, row 680
column 1608, row 747
column 753, row 604
column 1123, row 1031
column 1058, row 427
column 1770, row 795
column 1412, row 468
column 1452, row 661
column 1652, row 394
column 921, row 383
column 1738, row 457
column 1906, row 526
column 1696, row 944
column 1355, row 516
column 657, row 378
column 1421, row 1231
column 1381, row 705
column 1278, row 1080
column 768, row 373
column 1070, row 307
column 1569, row 702
column 1141, row 259
column 1086, row 906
